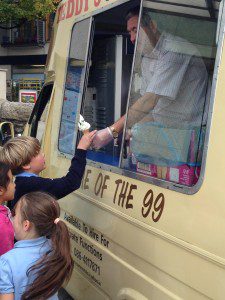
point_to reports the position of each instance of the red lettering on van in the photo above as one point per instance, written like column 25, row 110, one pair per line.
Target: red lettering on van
column 86, row 5
column 74, row 7
column 79, row 6
column 62, row 13
column 97, row 2
column 59, row 14
column 70, row 9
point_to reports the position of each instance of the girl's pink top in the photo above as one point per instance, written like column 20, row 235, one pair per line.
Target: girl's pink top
column 6, row 230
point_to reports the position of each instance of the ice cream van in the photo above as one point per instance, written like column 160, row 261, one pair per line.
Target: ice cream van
column 148, row 221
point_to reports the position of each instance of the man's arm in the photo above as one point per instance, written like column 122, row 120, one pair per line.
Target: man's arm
column 136, row 113
column 141, row 108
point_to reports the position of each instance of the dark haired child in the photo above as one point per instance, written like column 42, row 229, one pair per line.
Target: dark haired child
column 7, row 189
column 40, row 261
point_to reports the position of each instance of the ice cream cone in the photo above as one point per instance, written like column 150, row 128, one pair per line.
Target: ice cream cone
column 83, row 126
column 86, row 131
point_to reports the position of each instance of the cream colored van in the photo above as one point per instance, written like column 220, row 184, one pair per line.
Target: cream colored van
column 149, row 219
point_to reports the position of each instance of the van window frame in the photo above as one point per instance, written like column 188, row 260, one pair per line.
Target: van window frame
column 189, row 190
column 39, row 108
column 148, row 179
column 86, row 72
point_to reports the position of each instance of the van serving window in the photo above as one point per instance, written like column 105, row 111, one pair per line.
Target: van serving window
column 106, row 97
column 173, row 78
column 162, row 93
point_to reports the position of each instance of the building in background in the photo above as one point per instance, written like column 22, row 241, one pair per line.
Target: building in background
column 23, row 53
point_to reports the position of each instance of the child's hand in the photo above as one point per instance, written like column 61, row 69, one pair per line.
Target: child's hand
column 86, row 140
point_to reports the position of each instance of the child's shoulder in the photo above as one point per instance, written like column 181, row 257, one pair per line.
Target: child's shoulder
column 29, row 177
column 12, row 261
column 3, row 262
column 6, row 258
column 26, row 175
column 3, row 208
column 4, row 213
column 21, row 180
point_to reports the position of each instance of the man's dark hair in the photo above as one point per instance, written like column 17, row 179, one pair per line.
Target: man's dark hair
column 145, row 19
column 132, row 13
column 4, row 178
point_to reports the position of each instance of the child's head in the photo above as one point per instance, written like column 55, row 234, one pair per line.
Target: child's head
column 23, row 154
column 36, row 215
column 7, row 185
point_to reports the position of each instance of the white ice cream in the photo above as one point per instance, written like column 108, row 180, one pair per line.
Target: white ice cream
column 82, row 125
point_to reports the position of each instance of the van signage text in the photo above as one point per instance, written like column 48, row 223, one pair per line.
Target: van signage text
column 75, row 7
column 125, row 194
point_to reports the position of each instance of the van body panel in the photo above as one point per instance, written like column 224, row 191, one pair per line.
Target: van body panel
column 131, row 239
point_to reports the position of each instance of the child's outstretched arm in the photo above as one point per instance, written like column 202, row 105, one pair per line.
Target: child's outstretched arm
column 59, row 187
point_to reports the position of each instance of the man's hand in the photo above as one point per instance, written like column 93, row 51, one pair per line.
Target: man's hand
column 102, row 138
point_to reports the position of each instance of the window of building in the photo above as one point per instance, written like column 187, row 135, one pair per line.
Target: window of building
column 49, row 26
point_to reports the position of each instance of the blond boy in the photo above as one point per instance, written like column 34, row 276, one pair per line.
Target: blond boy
column 26, row 160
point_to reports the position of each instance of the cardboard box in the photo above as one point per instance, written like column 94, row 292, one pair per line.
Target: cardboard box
column 183, row 174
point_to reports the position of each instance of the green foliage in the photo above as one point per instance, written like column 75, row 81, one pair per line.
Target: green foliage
column 16, row 10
